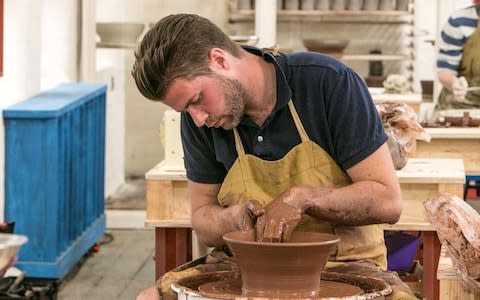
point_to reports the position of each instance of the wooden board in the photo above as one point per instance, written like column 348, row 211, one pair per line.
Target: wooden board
column 450, row 287
column 457, row 143
column 168, row 204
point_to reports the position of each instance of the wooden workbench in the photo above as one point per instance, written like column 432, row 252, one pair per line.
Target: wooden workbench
column 462, row 143
column 168, row 210
column 419, row 179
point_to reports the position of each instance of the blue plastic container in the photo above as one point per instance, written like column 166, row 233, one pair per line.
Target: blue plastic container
column 401, row 250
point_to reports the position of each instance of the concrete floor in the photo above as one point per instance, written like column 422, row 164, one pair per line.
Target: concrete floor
column 120, row 269
column 124, row 264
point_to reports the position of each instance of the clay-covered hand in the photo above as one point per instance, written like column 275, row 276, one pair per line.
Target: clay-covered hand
column 245, row 215
column 280, row 218
column 459, row 88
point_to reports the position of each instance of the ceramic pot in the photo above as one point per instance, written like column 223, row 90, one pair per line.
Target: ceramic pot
column 275, row 270
column 322, row 5
column 291, row 4
column 244, row 4
column 402, row 5
column 387, row 5
column 338, row 5
column 370, row 5
column 355, row 4
column 307, row 4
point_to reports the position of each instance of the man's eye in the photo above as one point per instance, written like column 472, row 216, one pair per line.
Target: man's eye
column 195, row 100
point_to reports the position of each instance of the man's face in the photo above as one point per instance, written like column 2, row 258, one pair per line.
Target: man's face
column 214, row 101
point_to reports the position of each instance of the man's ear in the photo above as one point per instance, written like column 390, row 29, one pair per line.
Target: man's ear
column 218, row 59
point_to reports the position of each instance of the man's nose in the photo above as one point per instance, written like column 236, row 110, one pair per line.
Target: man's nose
column 199, row 116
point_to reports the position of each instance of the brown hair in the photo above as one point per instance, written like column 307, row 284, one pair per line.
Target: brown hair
column 177, row 46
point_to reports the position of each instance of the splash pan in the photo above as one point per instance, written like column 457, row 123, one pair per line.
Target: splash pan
column 227, row 285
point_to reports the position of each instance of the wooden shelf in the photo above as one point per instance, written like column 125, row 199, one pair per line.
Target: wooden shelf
column 332, row 16
column 117, row 45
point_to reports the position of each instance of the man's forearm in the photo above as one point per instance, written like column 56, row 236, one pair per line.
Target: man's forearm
column 361, row 203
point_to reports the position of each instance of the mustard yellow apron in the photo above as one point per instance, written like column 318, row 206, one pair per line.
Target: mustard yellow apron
column 470, row 69
column 307, row 164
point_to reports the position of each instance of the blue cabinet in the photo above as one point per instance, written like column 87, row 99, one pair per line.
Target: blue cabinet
column 54, row 175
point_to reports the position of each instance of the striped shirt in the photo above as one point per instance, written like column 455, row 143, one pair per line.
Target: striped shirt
column 460, row 26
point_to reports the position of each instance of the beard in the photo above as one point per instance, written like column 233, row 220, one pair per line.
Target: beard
column 236, row 98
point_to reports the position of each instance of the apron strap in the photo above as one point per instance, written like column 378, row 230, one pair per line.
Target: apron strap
column 238, row 142
column 298, row 123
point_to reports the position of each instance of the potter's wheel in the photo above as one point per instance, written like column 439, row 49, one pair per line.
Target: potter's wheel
column 227, row 285
column 231, row 289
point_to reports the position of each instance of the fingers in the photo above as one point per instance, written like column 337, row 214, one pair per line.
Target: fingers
column 260, row 228
column 257, row 214
column 242, row 217
column 255, row 208
column 273, row 230
column 462, row 81
column 275, row 222
column 279, row 231
column 288, row 228
column 459, row 88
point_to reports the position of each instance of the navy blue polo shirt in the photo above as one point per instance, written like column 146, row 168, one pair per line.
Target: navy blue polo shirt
column 333, row 103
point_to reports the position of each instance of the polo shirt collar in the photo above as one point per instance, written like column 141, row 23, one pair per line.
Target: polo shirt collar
column 284, row 92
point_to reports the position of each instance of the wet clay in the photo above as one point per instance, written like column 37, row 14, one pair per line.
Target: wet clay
column 290, row 269
column 228, row 285
column 457, row 223
column 231, row 289
column 278, row 222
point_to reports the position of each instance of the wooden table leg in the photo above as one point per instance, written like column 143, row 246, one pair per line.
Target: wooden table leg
column 173, row 247
column 431, row 255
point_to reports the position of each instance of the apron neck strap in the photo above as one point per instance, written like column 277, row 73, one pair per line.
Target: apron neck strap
column 238, row 142
column 298, row 122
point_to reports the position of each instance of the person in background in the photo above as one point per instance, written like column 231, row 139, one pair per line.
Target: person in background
column 266, row 132
column 458, row 62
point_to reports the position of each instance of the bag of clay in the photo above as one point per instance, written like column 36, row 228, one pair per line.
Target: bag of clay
column 403, row 129
column 457, row 224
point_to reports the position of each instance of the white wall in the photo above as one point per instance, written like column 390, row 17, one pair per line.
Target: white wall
column 21, row 73
column 60, row 41
column 144, row 143
column 42, row 50
column 426, row 34
column 115, row 128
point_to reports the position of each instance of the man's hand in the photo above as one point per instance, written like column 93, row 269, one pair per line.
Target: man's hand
column 459, row 88
column 280, row 218
column 246, row 215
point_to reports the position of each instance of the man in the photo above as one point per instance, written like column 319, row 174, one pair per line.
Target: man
column 458, row 61
column 262, row 131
